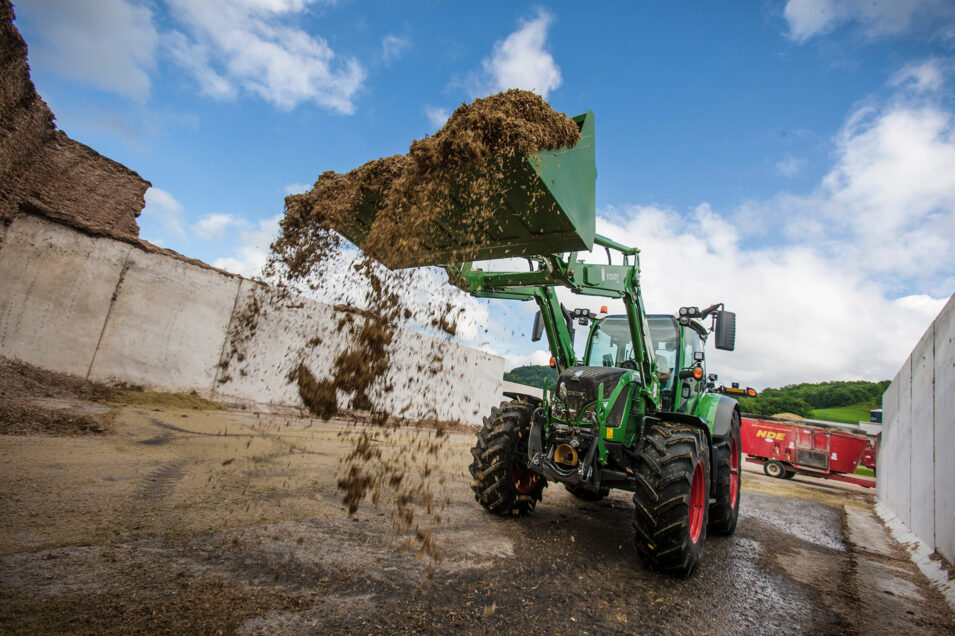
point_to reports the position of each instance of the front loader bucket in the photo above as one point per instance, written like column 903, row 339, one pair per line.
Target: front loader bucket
column 546, row 207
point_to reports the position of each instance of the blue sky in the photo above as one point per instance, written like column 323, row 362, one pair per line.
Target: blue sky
column 795, row 159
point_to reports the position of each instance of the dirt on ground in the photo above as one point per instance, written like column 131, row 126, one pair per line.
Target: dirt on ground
column 188, row 521
column 35, row 401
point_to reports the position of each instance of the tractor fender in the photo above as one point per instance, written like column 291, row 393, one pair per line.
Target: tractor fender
column 723, row 420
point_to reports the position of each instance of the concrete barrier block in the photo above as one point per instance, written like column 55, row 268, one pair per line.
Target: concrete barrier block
column 257, row 361
column 902, row 473
column 430, row 377
column 945, row 431
column 439, row 379
column 167, row 325
column 886, row 460
column 56, row 285
column 923, row 438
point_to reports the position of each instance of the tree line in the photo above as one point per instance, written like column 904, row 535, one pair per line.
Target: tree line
column 532, row 375
column 802, row 399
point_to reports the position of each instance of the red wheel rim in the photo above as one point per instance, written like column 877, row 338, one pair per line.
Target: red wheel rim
column 697, row 503
column 524, row 480
column 734, row 473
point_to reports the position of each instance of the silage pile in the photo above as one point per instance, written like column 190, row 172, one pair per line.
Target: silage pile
column 409, row 192
column 412, row 191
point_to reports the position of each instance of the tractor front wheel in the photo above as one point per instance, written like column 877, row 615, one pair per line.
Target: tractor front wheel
column 671, row 502
column 501, row 479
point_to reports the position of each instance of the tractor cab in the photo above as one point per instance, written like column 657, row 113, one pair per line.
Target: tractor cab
column 677, row 347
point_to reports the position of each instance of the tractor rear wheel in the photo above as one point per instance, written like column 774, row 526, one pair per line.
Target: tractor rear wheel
column 586, row 495
column 671, row 499
column 724, row 512
column 502, row 481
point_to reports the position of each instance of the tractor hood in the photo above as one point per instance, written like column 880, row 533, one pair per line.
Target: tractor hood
column 577, row 386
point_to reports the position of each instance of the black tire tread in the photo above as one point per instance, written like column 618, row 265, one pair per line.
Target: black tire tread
column 662, row 499
column 501, row 439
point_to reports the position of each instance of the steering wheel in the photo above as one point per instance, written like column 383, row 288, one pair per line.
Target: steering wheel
column 629, row 364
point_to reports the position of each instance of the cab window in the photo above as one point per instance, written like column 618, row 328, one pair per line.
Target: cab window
column 691, row 345
column 665, row 339
column 610, row 344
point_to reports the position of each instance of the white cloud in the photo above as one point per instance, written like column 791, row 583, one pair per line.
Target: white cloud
column 521, row 60
column 392, row 46
column 923, row 77
column 109, row 43
column 437, row 116
column 839, row 283
column 250, row 45
column 893, row 190
column 164, row 207
column 213, row 226
column 802, row 315
column 253, row 249
column 541, row 357
column 790, row 166
column 194, row 57
column 809, row 18
column 297, row 188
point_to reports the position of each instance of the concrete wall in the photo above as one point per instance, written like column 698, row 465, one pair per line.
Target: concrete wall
column 56, row 286
column 166, row 325
column 915, row 480
column 110, row 311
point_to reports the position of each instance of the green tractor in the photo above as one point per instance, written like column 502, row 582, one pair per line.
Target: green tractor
column 638, row 411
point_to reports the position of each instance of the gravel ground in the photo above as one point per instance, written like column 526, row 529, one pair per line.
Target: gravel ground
column 230, row 522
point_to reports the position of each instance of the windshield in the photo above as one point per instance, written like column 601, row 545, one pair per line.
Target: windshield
column 664, row 339
column 610, row 343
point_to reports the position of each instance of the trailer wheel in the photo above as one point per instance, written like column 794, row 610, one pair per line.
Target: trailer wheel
column 724, row 512
column 775, row 469
column 671, row 498
column 586, row 495
column 502, row 481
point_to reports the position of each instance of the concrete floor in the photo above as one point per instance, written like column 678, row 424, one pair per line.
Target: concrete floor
column 231, row 521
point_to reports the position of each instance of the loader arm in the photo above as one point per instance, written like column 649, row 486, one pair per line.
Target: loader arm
column 589, row 279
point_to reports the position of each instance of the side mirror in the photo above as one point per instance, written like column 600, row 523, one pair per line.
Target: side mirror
column 725, row 330
column 538, row 329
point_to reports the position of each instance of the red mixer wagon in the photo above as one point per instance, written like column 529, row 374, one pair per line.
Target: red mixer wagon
column 786, row 448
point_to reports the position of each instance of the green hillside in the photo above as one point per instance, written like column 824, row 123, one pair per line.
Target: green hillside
column 532, row 375
column 846, row 414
